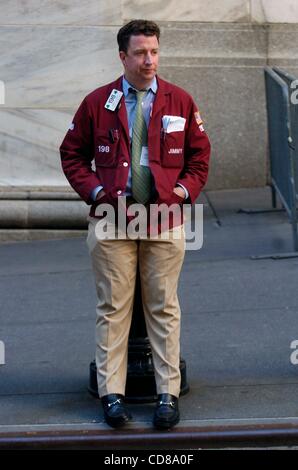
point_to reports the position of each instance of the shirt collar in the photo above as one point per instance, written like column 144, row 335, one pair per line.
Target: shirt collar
column 126, row 86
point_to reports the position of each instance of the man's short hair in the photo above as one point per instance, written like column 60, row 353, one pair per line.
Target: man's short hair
column 136, row 28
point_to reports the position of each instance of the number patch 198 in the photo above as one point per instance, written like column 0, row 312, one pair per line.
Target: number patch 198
column 103, row 148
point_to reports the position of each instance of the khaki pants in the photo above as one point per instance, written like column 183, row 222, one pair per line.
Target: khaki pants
column 115, row 264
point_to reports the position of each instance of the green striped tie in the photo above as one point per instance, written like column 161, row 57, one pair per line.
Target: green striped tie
column 141, row 175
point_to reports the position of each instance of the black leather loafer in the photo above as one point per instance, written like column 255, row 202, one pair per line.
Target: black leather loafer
column 114, row 409
column 166, row 413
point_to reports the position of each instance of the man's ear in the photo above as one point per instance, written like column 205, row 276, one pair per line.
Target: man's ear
column 122, row 56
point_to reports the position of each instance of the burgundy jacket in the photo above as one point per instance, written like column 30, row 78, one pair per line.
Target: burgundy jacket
column 175, row 157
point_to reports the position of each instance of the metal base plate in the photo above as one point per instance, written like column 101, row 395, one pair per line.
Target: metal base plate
column 140, row 387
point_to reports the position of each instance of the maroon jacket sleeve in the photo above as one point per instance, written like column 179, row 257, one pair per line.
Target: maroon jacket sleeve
column 76, row 153
column 197, row 154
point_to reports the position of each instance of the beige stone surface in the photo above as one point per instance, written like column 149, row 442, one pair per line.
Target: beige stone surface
column 274, row 11
column 182, row 43
column 175, row 10
column 282, row 46
column 62, row 12
column 53, row 53
column 29, row 146
column 232, row 105
column 56, row 66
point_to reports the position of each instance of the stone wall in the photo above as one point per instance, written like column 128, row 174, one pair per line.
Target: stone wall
column 55, row 52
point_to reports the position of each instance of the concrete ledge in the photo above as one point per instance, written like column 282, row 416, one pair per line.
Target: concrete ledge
column 37, row 192
column 50, row 208
column 218, row 435
column 21, row 235
column 57, row 214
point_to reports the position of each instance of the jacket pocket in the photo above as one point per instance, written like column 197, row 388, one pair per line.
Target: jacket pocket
column 173, row 198
column 106, row 147
column 172, row 149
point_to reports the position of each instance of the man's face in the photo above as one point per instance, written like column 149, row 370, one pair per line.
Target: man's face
column 141, row 59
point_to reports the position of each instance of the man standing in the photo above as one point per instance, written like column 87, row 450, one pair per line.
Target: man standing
column 149, row 144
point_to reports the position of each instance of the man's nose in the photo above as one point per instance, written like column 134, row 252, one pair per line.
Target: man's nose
column 148, row 59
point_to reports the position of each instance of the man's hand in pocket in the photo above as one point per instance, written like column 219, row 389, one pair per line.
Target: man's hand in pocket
column 100, row 194
column 179, row 191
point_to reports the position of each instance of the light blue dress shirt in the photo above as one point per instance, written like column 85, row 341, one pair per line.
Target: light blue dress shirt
column 130, row 102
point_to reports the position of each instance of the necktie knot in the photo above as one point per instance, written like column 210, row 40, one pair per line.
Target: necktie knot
column 140, row 95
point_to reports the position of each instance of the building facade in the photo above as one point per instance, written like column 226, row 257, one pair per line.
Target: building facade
column 55, row 52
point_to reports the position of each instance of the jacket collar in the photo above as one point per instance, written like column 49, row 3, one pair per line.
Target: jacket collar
column 160, row 99
column 162, row 89
column 127, row 87
column 159, row 103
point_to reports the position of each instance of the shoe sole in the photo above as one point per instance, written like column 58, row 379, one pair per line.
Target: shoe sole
column 116, row 422
column 163, row 424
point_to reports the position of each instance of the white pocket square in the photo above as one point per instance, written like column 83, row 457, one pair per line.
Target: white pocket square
column 173, row 123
